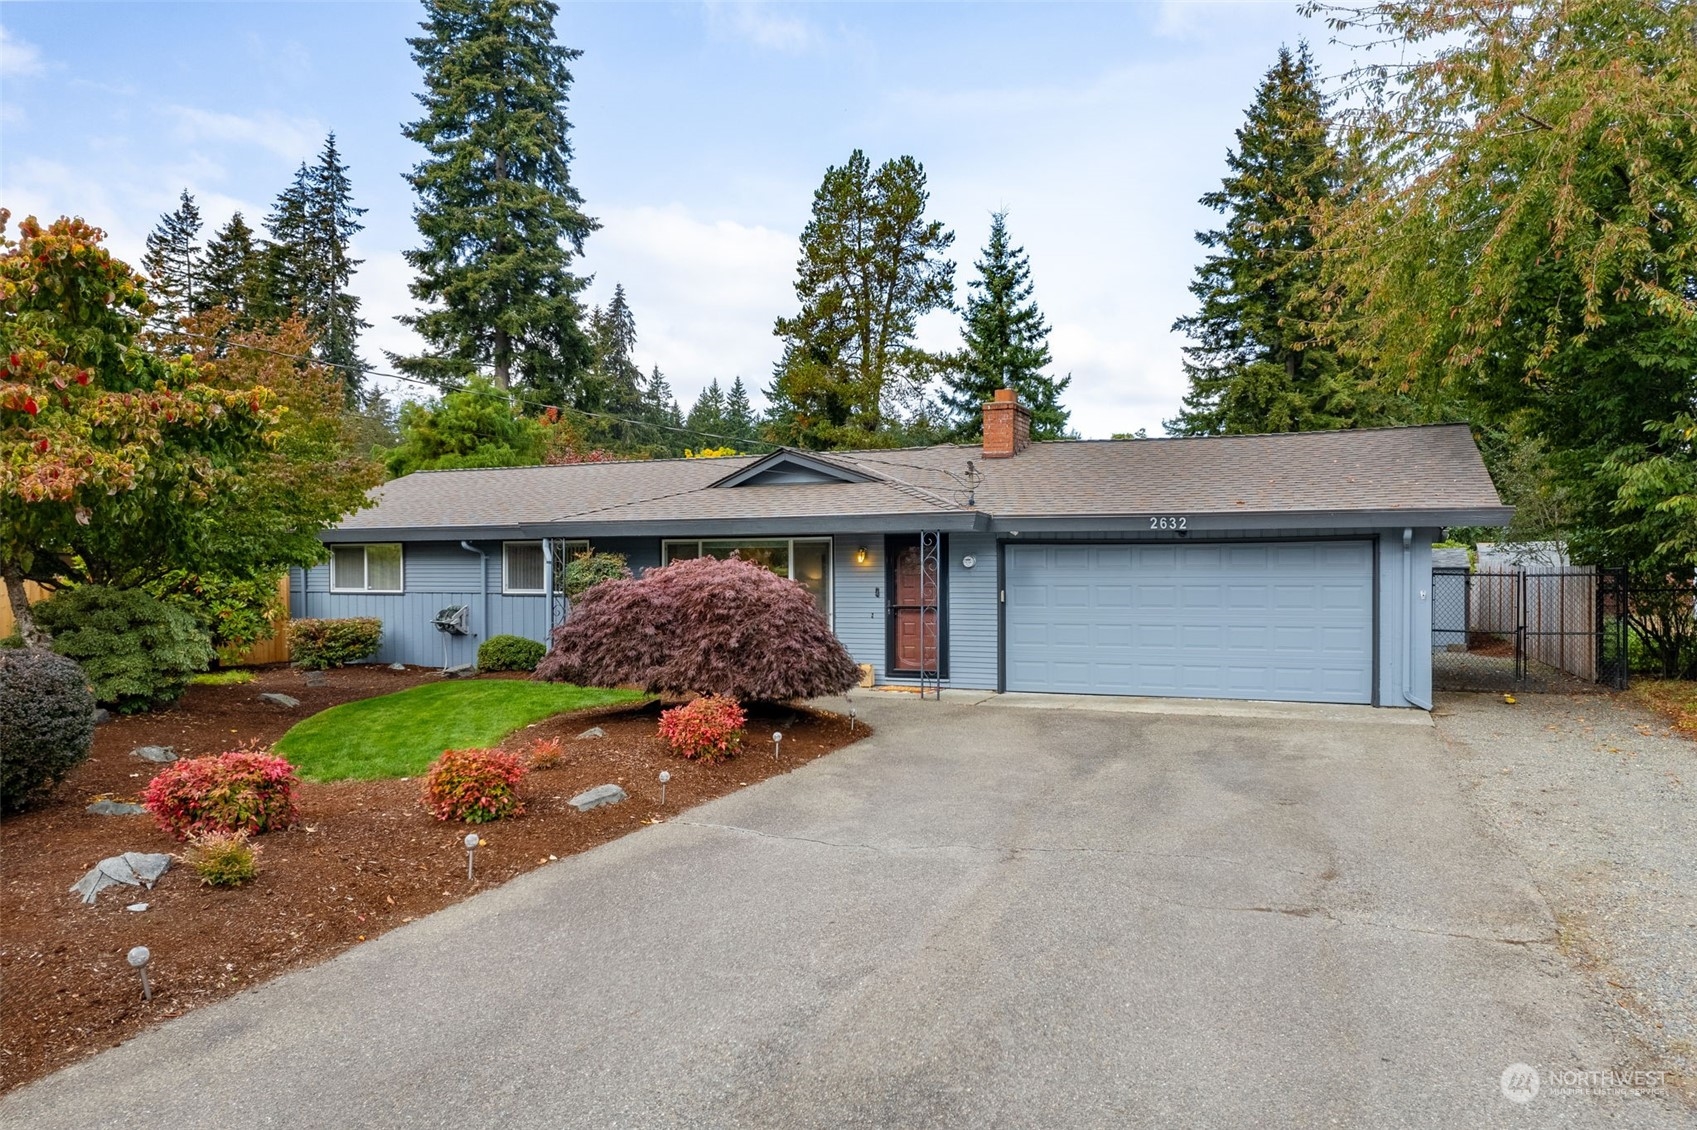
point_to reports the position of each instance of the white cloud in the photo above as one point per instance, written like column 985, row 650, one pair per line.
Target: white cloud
column 293, row 139
column 704, row 292
column 19, row 58
column 761, row 24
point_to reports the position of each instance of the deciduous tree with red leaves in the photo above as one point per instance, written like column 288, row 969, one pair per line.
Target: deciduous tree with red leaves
column 703, row 626
column 95, row 432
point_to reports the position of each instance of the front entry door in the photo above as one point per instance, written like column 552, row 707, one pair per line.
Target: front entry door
column 915, row 611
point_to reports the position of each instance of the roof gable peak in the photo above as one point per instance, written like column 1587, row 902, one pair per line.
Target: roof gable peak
column 789, row 467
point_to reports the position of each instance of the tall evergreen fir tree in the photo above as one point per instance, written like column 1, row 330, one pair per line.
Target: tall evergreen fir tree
column 1007, row 345
column 172, row 263
column 615, row 384
column 1254, row 366
column 334, row 221
column 307, row 262
column 871, row 266
column 232, row 273
column 660, row 408
column 500, row 219
column 708, row 417
column 740, row 420
column 288, row 250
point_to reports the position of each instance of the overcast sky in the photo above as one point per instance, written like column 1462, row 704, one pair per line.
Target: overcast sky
column 701, row 131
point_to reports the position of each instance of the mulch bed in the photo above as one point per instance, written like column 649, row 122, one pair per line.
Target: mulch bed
column 364, row 859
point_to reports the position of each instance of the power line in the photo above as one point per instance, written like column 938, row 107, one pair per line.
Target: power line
column 509, row 397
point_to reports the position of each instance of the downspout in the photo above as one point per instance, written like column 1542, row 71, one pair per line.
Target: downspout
column 483, row 576
column 1408, row 621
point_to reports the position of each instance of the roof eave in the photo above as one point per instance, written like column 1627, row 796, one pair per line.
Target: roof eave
column 1256, row 520
column 964, row 521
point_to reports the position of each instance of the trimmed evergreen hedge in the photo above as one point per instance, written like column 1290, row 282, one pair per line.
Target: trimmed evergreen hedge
column 46, row 724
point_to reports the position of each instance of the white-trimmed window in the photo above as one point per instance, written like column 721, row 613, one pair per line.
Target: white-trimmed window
column 522, row 569
column 807, row 561
column 366, row 568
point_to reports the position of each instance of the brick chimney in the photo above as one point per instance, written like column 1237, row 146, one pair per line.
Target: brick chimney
column 1007, row 426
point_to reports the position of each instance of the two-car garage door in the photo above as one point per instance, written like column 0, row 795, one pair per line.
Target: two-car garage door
column 1287, row 621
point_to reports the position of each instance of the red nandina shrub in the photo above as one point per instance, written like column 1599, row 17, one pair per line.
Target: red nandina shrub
column 708, row 729
column 546, row 753
column 245, row 790
column 702, row 626
column 474, row 785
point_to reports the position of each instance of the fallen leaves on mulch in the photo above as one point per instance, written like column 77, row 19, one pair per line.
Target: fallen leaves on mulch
column 1673, row 698
column 364, row 859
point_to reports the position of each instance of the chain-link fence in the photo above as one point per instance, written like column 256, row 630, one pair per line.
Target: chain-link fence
column 1498, row 630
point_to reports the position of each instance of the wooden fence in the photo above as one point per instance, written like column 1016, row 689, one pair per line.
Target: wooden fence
column 273, row 650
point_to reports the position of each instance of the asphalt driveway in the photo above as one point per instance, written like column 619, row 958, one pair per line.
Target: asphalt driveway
column 988, row 915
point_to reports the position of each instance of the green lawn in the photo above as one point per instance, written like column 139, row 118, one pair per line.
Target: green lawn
column 398, row 735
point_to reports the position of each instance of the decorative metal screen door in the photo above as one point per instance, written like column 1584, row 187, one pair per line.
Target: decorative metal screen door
column 915, row 608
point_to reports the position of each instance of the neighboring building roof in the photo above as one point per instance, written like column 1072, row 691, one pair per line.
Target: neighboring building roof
column 1406, row 476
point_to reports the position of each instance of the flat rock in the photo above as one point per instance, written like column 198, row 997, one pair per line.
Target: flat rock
column 158, row 754
column 115, row 808
column 276, row 699
column 598, row 796
column 132, row 869
column 102, row 716
column 397, row 666
column 464, row 670
column 313, row 678
column 136, row 907
column 592, row 733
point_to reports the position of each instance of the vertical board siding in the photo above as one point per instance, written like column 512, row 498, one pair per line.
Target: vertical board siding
column 439, row 574
column 857, row 599
column 971, row 622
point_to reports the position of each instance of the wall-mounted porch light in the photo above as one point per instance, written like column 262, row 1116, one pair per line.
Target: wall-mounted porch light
column 860, row 556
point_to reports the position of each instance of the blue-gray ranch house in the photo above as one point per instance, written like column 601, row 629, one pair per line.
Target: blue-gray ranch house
column 1290, row 567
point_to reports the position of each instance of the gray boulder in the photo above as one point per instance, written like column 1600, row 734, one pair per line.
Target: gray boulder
column 115, row 808
column 276, row 699
column 313, row 678
column 598, row 796
column 102, row 716
column 158, row 754
column 397, row 666
column 591, row 734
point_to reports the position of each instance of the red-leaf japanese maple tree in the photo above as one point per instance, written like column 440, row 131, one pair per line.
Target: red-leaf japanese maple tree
column 702, row 626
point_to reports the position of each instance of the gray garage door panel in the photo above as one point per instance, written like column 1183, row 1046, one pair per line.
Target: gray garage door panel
column 1289, row 621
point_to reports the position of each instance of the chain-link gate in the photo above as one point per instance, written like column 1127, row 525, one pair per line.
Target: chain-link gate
column 1519, row 630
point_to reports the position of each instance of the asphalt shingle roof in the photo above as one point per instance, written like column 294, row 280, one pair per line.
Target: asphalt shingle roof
column 1434, row 468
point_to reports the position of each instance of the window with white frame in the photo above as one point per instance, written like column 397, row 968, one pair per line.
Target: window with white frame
column 366, row 568
column 807, row 561
column 522, row 569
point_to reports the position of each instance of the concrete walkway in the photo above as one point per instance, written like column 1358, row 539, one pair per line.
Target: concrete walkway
column 1021, row 917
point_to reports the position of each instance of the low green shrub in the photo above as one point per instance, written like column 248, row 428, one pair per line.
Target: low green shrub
column 228, row 677
column 509, row 653
column 46, row 724
column 245, row 790
column 223, row 859
column 474, row 785
column 318, row 644
column 588, row 569
column 138, row 652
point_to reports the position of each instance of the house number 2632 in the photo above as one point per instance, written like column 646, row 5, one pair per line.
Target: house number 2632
column 1168, row 522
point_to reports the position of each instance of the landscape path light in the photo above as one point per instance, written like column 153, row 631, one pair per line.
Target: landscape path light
column 777, row 740
column 664, row 777
column 139, row 957
column 471, row 842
